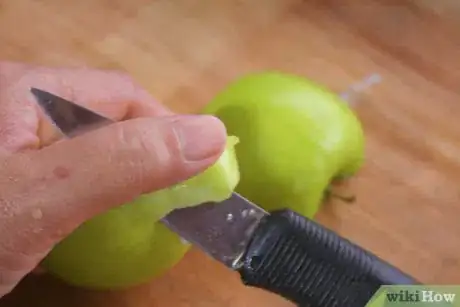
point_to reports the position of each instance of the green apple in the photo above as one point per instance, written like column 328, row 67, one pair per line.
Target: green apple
column 128, row 245
column 295, row 136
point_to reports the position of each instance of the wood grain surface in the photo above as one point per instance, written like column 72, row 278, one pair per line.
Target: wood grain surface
column 184, row 51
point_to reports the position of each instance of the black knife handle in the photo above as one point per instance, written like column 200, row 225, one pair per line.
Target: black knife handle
column 313, row 266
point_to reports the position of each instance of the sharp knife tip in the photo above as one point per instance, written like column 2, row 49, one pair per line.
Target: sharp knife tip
column 39, row 94
column 42, row 97
column 35, row 91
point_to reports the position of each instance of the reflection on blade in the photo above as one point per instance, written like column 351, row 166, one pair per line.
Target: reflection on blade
column 68, row 116
column 221, row 230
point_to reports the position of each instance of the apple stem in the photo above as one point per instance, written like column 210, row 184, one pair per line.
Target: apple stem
column 352, row 93
column 330, row 193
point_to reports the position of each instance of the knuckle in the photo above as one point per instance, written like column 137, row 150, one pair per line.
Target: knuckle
column 152, row 149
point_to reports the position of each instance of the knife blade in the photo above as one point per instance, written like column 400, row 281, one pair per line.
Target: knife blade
column 280, row 251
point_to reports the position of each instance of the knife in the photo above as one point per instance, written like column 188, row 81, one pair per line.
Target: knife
column 280, row 251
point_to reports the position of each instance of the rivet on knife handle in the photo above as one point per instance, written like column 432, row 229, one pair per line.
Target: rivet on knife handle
column 312, row 266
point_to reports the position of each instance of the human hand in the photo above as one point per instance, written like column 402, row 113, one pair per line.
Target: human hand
column 49, row 185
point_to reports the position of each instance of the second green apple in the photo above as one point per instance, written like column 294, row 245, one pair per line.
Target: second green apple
column 296, row 137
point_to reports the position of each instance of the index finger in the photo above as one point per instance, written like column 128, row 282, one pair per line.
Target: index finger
column 111, row 93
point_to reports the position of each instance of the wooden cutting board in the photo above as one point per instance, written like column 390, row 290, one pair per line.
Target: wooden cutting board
column 184, row 51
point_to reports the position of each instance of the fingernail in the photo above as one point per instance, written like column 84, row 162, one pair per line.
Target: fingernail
column 201, row 137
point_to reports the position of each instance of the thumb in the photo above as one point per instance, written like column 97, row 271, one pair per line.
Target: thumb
column 74, row 180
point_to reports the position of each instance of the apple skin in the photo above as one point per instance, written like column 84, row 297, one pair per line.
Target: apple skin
column 128, row 245
column 295, row 136
column 100, row 255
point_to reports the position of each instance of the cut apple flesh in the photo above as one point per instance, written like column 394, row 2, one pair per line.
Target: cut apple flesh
column 214, row 184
